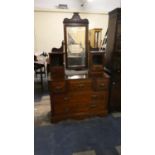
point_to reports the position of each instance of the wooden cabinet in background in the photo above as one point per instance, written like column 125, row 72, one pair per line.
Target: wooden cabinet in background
column 113, row 58
column 95, row 37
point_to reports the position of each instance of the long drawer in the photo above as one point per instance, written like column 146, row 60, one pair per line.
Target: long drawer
column 79, row 97
column 79, row 85
column 75, row 103
column 71, row 109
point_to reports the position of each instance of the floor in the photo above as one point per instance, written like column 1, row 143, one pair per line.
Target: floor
column 41, row 102
column 93, row 136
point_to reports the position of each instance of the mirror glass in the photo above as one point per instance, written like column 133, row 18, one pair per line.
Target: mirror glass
column 76, row 46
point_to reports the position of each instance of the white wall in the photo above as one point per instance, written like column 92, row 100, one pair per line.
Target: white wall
column 94, row 5
column 48, row 27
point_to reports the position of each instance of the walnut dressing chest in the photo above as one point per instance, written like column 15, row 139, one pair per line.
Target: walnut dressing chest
column 78, row 96
column 78, row 86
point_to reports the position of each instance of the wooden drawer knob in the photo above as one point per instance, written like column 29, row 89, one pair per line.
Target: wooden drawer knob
column 65, row 98
column 94, row 96
column 102, row 85
column 114, row 83
column 58, row 88
column 93, row 105
column 66, row 110
column 81, row 85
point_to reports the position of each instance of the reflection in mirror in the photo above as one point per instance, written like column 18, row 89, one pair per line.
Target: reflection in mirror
column 76, row 42
column 76, row 49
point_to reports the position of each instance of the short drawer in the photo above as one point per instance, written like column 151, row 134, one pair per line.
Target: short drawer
column 58, row 86
column 60, row 99
column 100, row 84
column 79, row 85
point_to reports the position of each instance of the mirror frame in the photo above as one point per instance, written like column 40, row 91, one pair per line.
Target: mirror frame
column 76, row 21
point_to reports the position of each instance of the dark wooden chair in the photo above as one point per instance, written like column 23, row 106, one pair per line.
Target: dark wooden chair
column 39, row 68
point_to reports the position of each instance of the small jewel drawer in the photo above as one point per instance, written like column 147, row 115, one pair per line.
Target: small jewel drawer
column 100, row 84
column 58, row 86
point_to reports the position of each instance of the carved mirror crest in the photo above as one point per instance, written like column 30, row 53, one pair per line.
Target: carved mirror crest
column 76, row 42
